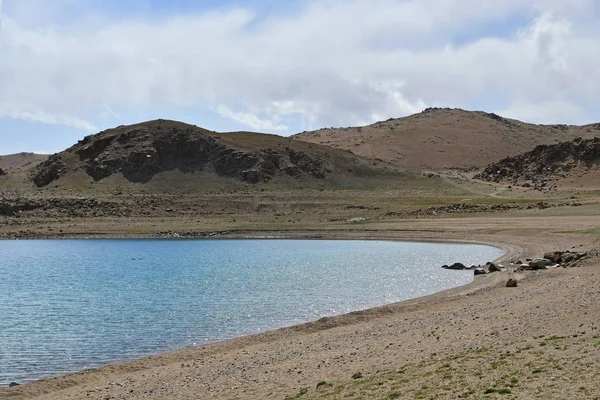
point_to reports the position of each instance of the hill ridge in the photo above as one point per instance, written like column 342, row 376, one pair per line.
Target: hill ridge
column 139, row 152
column 439, row 138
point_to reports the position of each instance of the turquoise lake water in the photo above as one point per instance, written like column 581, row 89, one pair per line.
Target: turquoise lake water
column 73, row 304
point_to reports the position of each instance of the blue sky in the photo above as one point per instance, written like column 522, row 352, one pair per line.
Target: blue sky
column 69, row 68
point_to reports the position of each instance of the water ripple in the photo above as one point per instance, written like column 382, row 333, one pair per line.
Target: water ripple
column 71, row 305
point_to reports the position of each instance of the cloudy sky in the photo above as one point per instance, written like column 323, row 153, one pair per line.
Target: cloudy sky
column 73, row 67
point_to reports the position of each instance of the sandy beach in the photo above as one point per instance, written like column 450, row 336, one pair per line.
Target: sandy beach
column 538, row 340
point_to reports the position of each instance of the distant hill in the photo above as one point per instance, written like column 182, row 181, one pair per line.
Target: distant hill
column 12, row 162
column 140, row 153
column 446, row 138
column 567, row 164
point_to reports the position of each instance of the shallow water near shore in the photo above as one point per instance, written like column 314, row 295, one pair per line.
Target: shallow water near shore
column 74, row 304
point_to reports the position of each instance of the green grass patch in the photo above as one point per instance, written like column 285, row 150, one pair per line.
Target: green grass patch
column 301, row 393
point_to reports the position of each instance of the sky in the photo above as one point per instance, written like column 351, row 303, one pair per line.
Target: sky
column 70, row 68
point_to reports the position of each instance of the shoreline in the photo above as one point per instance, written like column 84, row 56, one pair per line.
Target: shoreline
column 272, row 235
column 481, row 285
column 475, row 284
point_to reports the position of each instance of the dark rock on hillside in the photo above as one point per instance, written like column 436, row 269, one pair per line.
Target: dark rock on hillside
column 139, row 152
column 15, row 206
column 461, row 208
column 545, row 163
column 1, row 172
column 49, row 171
column 302, row 162
column 60, row 206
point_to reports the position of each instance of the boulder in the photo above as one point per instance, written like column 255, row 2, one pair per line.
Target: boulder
column 1, row 172
column 479, row 271
column 555, row 256
column 13, row 384
column 525, row 267
column 493, row 268
column 593, row 253
column 564, row 257
column 512, row 283
column 540, row 263
column 456, row 266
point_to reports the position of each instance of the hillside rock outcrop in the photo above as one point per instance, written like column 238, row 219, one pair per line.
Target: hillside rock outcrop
column 139, row 152
column 545, row 163
column 49, row 171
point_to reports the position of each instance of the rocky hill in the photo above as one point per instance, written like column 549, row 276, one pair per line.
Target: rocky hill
column 140, row 152
column 446, row 138
column 13, row 162
column 547, row 165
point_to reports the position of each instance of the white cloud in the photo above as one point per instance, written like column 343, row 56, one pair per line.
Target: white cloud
column 549, row 39
column 332, row 63
column 37, row 115
column 251, row 120
column 548, row 112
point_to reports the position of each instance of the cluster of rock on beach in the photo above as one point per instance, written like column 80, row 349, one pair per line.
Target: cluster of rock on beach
column 564, row 259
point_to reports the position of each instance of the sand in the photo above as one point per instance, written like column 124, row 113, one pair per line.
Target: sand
column 536, row 341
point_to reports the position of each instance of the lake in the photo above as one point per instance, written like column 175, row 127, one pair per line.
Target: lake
column 67, row 305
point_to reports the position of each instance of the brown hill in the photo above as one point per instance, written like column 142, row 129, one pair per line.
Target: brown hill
column 571, row 164
column 13, row 162
column 446, row 138
column 138, row 153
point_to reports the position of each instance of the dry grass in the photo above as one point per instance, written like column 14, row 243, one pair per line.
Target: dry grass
column 13, row 162
column 540, row 368
column 204, row 207
column 446, row 138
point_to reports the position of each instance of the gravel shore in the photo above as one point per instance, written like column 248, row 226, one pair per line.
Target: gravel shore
column 538, row 340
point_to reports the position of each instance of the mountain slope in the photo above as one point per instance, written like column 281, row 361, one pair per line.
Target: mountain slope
column 13, row 162
column 574, row 164
column 446, row 138
column 139, row 153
